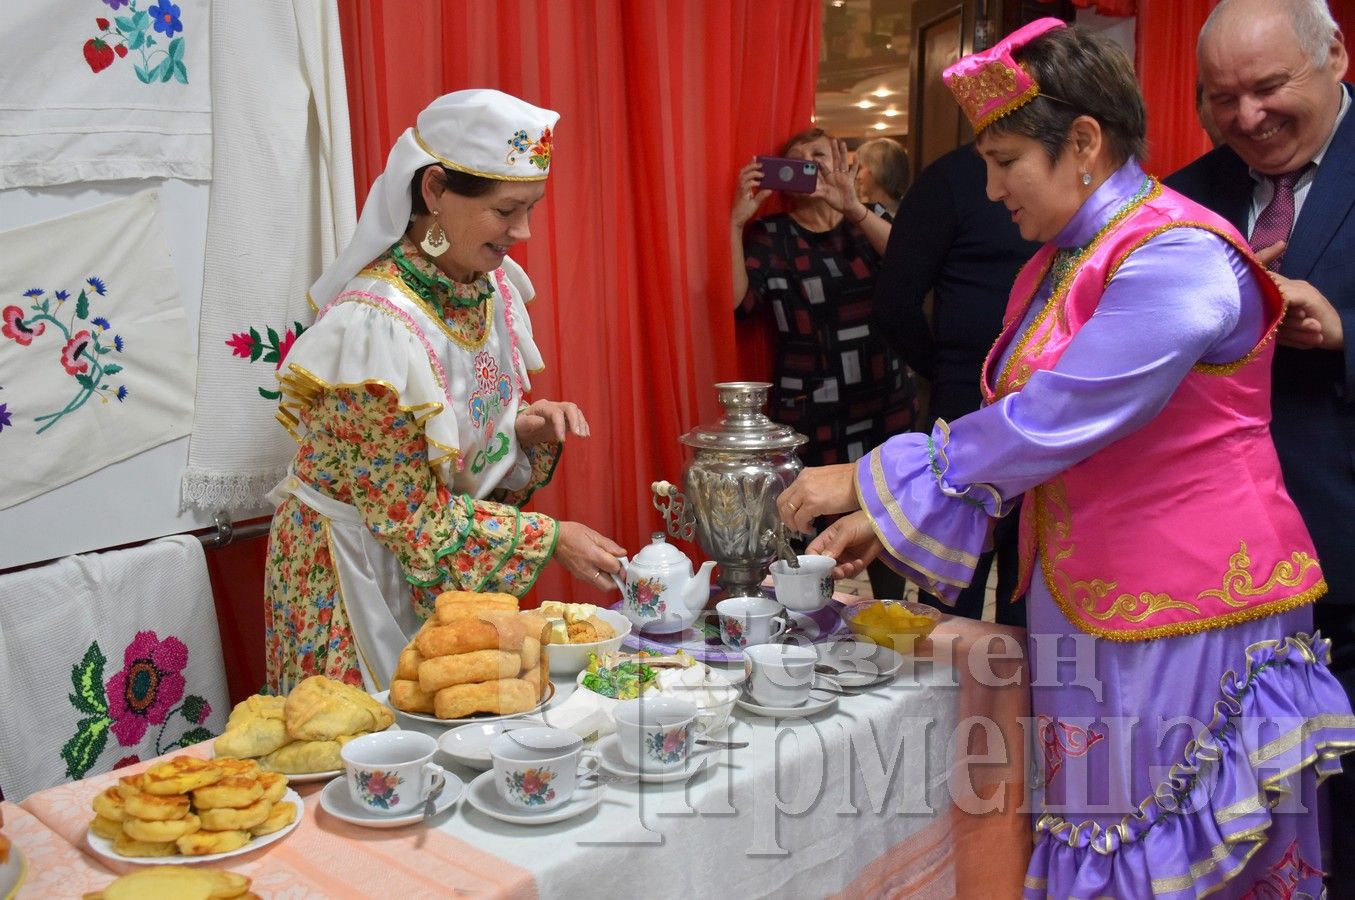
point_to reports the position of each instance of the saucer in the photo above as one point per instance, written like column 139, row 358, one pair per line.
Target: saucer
column 469, row 744
column 610, row 758
column 484, row 796
column 818, row 701
column 338, row 802
column 860, row 663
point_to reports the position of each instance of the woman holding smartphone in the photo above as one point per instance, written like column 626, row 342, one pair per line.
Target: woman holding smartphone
column 835, row 380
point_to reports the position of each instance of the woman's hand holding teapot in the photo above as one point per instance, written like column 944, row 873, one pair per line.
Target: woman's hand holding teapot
column 588, row 555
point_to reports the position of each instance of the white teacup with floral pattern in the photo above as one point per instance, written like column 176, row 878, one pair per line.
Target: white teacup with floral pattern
column 807, row 588
column 531, row 771
column 389, row 772
column 655, row 732
column 746, row 621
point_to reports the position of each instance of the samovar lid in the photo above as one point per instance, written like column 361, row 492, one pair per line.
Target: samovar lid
column 744, row 428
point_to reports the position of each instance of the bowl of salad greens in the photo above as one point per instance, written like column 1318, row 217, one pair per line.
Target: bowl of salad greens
column 624, row 676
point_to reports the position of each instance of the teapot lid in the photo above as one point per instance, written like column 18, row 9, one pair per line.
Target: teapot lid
column 744, row 428
column 661, row 553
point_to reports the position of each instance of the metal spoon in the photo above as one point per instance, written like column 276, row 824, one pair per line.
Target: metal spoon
column 722, row 745
column 434, row 791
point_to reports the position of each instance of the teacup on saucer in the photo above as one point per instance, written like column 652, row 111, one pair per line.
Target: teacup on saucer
column 336, row 800
column 613, row 760
column 483, row 794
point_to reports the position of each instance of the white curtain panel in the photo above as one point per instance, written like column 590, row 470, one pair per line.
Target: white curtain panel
column 96, row 358
column 281, row 208
column 106, row 658
column 93, row 91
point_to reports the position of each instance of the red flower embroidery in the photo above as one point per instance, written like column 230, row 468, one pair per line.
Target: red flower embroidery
column 15, row 329
column 1060, row 741
column 148, row 686
column 242, row 344
column 70, row 354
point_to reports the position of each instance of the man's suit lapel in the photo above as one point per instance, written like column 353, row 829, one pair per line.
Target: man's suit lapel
column 1231, row 189
column 1329, row 200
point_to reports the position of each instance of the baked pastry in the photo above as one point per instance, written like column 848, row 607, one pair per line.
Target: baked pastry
column 128, row 785
column 302, row 757
column 407, row 695
column 488, row 631
column 274, row 785
column 109, row 804
column 126, row 845
column 154, row 807
column 321, row 709
column 175, row 883
column 503, row 697
column 582, row 632
column 452, row 605
column 201, row 843
column 280, row 816
column 159, row 831
column 467, row 668
column 231, row 792
column 106, row 828
column 180, row 775
column 227, row 819
column 408, row 666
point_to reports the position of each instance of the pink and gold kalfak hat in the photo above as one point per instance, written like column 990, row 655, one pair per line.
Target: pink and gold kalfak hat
column 990, row 84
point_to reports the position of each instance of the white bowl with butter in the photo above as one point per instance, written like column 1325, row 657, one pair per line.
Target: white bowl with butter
column 569, row 659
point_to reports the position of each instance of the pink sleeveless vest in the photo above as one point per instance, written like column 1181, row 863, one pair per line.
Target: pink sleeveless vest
column 1185, row 524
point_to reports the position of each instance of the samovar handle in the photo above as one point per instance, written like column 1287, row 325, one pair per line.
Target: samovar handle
column 672, row 504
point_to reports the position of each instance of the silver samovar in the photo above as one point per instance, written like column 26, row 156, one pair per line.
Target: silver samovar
column 729, row 489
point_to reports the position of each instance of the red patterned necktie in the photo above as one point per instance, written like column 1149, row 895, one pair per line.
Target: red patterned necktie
column 1277, row 219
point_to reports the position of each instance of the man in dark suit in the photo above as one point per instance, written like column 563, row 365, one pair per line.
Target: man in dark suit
column 1272, row 74
column 950, row 239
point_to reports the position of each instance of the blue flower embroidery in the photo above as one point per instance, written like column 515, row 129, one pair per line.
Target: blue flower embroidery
column 166, row 18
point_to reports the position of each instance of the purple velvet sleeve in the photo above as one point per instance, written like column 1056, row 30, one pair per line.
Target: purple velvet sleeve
column 930, row 497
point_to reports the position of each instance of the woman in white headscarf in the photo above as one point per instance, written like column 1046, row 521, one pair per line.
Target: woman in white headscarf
column 408, row 400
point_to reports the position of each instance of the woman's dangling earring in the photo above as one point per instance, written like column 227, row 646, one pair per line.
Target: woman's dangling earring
column 1086, row 179
column 434, row 241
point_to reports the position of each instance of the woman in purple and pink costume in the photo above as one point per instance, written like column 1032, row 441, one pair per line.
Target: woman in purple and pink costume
column 1183, row 709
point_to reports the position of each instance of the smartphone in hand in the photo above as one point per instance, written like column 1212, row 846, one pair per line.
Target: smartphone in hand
column 799, row 176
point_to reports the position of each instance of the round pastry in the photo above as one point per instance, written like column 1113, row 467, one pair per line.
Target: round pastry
column 468, row 668
column 280, row 816
column 109, row 804
column 227, row 819
column 128, row 785
column 154, row 808
column 126, row 845
column 202, row 843
column 181, row 775
column 155, row 832
column 247, row 768
column 274, row 785
column 106, row 828
column 231, row 792
column 177, row 883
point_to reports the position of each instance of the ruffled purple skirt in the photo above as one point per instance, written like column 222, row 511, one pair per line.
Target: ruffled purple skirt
column 1180, row 767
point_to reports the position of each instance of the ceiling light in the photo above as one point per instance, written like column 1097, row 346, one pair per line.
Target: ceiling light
column 879, row 126
column 839, row 3
column 891, row 113
column 882, row 92
column 865, row 104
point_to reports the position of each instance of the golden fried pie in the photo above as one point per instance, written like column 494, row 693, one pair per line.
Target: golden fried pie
column 109, row 804
column 154, row 807
column 126, row 845
column 180, row 775
column 321, row 709
column 160, row 831
column 106, row 828
column 280, row 816
column 202, row 843
column 175, row 883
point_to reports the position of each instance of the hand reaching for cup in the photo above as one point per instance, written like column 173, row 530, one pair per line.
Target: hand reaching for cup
column 587, row 555
column 851, row 541
column 819, row 491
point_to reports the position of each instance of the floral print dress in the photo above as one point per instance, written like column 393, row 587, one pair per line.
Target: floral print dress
column 391, row 406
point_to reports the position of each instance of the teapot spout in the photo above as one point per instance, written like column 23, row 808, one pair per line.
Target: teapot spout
column 697, row 591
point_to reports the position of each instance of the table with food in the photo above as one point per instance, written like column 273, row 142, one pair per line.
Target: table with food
column 756, row 734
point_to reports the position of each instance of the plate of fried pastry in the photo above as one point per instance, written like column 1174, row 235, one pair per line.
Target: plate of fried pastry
column 190, row 810
column 477, row 658
column 300, row 735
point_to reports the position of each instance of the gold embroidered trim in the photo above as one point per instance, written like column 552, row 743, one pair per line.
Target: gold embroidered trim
column 1012, row 377
column 466, row 342
column 1287, row 573
column 418, row 139
column 1138, row 608
column 943, row 462
column 1308, row 649
column 900, row 521
column 1204, row 368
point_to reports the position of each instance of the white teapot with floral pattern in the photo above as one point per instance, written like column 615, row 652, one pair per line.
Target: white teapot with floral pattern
column 661, row 595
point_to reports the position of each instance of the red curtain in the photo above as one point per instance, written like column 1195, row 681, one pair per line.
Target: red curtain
column 661, row 101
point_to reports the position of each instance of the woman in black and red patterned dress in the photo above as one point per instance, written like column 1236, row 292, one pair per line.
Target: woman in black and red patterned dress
column 836, row 381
